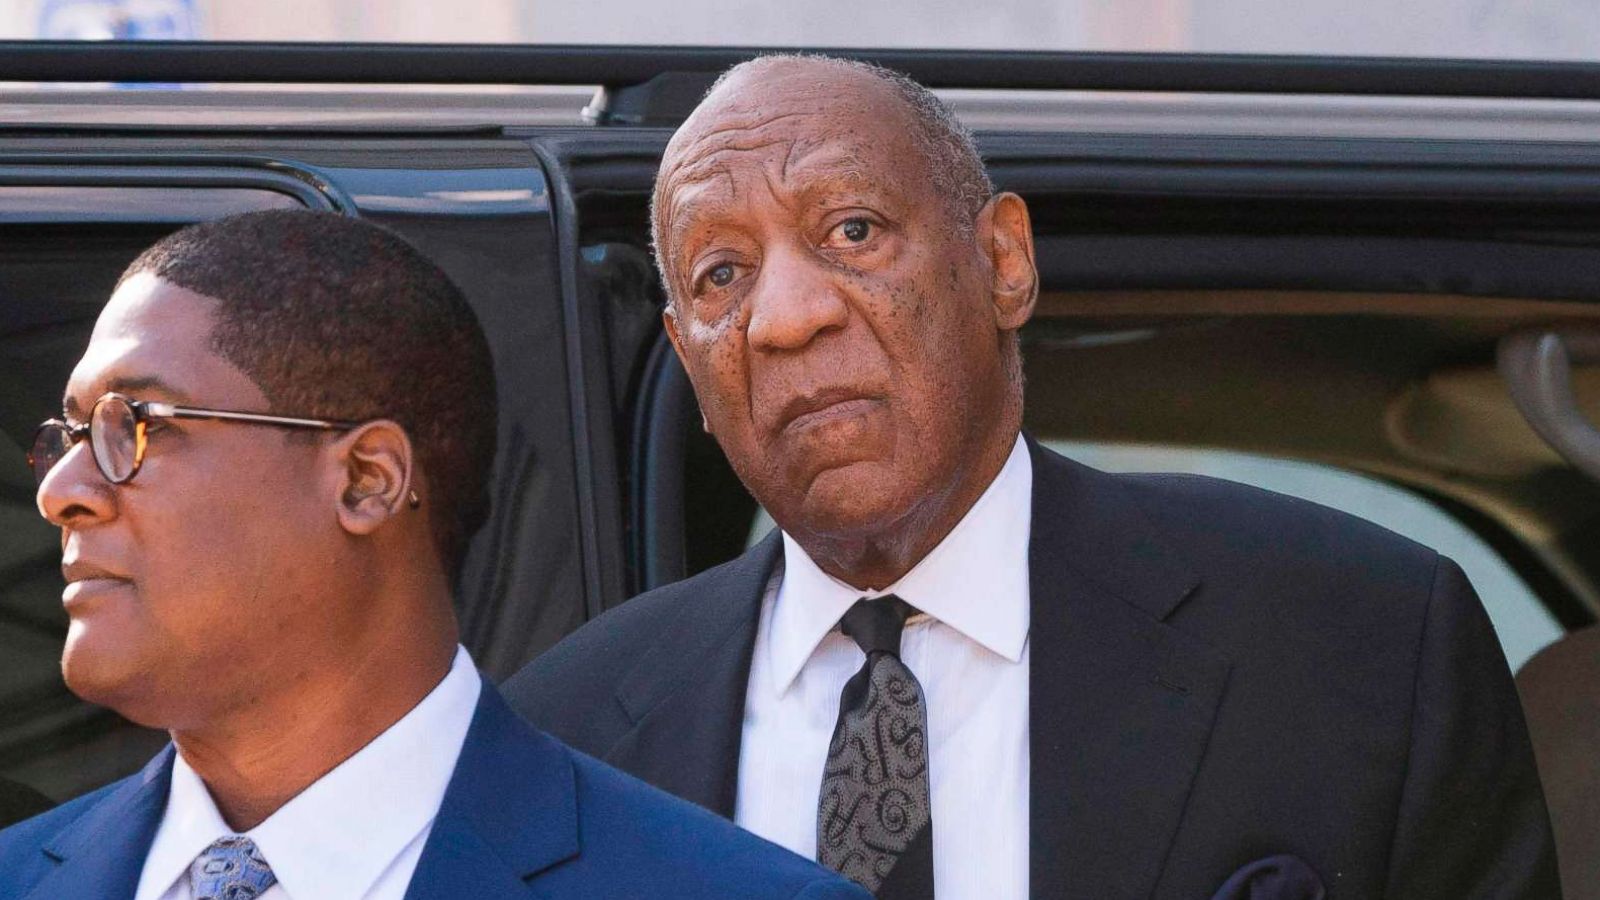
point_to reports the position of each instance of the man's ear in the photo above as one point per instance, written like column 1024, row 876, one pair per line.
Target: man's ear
column 1008, row 237
column 376, row 465
column 669, row 320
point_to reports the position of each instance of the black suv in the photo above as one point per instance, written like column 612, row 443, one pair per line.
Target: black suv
column 1338, row 278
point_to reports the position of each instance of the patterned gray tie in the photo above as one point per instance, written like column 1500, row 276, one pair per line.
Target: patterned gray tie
column 230, row 869
column 874, row 809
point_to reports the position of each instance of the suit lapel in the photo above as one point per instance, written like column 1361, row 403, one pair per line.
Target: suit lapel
column 510, row 812
column 1121, row 704
column 686, row 696
column 101, row 853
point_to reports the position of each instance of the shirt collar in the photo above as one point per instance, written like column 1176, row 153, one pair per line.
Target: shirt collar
column 189, row 825
column 975, row 580
column 332, row 840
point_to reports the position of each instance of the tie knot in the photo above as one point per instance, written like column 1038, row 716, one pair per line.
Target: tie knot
column 875, row 625
column 232, row 868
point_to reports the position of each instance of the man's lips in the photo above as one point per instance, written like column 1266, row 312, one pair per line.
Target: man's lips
column 78, row 570
column 87, row 580
column 823, row 406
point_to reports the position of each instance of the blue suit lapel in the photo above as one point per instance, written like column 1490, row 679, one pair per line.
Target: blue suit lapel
column 101, row 853
column 1122, row 704
column 510, row 812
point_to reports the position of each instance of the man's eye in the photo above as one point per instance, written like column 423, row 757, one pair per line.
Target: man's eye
column 720, row 275
column 855, row 230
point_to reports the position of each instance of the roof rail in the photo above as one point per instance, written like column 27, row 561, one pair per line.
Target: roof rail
column 621, row 66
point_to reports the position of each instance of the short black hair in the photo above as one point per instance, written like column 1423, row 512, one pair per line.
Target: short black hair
column 339, row 318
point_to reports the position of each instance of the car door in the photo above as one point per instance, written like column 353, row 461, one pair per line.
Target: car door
column 74, row 211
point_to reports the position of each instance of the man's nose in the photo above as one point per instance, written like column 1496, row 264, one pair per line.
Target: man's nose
column 795, row 299
column 74, row 493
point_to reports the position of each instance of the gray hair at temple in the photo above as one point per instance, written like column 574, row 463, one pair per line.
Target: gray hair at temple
column 954, row 165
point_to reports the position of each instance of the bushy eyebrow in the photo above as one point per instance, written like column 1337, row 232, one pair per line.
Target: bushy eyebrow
column 703, row 212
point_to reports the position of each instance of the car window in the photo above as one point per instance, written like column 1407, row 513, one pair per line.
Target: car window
column 61, row 251
column 1522, row 623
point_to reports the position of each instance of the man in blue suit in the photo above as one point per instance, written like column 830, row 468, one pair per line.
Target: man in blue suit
column 270, row 459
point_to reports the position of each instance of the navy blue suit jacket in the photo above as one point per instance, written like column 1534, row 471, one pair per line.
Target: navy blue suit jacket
column 1228, row 689
column 524, row 817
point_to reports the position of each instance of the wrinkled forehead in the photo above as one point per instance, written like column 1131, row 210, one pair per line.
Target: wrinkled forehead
column 786, row 133
column 722, row 172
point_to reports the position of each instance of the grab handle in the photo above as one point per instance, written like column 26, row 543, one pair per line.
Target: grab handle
column 1537, row 369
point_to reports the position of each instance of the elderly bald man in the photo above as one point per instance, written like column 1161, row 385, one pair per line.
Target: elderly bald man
column 966, row 667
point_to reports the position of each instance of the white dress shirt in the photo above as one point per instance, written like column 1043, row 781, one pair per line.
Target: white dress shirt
column 968, row 646
column 357, row 832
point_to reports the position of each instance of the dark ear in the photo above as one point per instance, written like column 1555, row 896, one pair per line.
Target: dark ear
column 669, row 320
column 376, row 466
column 1007, row 234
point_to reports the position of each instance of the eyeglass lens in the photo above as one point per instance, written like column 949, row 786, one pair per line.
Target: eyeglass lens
column 50, row 444
column 113, row 437
column 113, row 433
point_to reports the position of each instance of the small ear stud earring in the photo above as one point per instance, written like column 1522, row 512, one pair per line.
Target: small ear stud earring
column 414, row 500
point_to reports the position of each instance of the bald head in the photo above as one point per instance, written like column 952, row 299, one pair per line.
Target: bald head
column 832, row 93
column 845, row 293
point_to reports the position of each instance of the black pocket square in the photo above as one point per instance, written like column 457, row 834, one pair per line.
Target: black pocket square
column 1281, row 877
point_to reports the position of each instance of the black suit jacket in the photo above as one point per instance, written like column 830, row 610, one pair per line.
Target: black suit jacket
column 18, row 802
column 1219, row 675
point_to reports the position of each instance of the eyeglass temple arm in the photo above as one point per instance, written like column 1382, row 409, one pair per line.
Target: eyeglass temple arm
column 168, row 410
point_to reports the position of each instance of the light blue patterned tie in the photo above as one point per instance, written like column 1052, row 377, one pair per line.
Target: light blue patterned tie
column 231, row 869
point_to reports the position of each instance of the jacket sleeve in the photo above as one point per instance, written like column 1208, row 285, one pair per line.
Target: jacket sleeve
column 1472, row 820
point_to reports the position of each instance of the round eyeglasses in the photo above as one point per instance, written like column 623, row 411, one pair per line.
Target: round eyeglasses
column 117, row 432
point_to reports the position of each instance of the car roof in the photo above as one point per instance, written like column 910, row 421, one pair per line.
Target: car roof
column 438, row 108
column 432, row 87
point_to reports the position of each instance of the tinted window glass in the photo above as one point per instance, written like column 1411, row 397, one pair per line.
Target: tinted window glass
column 56, row 271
